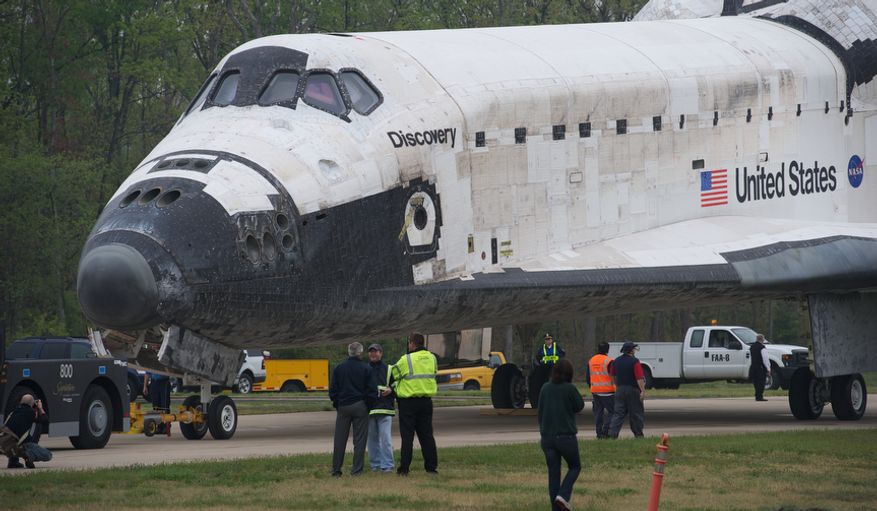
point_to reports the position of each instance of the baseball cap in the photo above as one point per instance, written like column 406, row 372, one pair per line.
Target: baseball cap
column 376, row 347
column 628, row 347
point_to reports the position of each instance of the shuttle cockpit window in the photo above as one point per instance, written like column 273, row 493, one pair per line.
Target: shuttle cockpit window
column 281, row 89
column 321, row 91
column 227, row 89
column 202, row 94
column 363, row 96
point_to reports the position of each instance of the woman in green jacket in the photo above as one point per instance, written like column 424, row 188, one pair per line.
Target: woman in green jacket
column 559, row 401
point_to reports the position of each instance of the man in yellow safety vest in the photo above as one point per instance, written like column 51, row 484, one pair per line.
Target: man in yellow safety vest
column 549, row 353
column 414, row 383
column 602, row 389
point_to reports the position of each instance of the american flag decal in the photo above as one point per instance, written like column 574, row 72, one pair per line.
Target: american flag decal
column 713, row 188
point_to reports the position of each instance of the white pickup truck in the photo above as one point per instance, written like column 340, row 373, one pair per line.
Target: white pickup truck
column 713, row 353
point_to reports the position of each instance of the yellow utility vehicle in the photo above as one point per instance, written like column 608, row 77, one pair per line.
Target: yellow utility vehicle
column 476, row 375
column 288, row 375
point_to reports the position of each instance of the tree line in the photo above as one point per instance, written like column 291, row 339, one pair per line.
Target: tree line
column 90, row 86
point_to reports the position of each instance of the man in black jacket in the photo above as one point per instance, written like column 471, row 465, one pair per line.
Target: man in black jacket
column 759, row 366
column 28, row 413
column 351, row 390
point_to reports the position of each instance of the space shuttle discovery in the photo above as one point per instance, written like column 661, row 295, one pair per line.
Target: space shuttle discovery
column 332, row 187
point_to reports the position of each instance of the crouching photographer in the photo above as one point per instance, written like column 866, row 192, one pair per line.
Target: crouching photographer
column 26, row 422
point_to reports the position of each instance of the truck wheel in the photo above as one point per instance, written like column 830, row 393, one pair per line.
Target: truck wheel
column 471, row 385
column 647, row 374
column 772, row 381
column 194, row 431
column 848, row 397
column 803, row 399
column 222, row 418
column 508, row 389
column 293, row 386
column 95, row 419
column 245, row 384
column 132, row 389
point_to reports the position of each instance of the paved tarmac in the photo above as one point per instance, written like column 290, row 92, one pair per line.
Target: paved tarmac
column 311, row 432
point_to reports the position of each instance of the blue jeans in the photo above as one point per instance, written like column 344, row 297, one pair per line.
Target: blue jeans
column 380, row 442
column 556, row 448
column 37, row 452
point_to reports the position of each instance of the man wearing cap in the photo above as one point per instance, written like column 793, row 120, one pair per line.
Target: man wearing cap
column 381, row 412
column 630, row 391
column 549, row 353
column 413, row 378
column 351, row 390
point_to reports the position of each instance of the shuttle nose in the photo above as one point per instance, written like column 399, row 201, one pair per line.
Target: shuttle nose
column 116, row 287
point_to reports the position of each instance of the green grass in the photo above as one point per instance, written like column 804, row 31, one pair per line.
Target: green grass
column 274, row 402
column 833, row 470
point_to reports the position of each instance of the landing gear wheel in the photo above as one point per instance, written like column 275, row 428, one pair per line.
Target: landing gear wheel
column 222, row 418
column 848, row 397
column 538, row 377
column 95, row 419
column 194, row 431
column 508, row 389
column 803, row 396
column 245, row 384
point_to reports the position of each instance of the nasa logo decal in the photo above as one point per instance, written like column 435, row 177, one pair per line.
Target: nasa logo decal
column 856, row 170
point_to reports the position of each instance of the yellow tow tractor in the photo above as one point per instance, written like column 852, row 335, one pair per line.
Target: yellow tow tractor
column 220, row 419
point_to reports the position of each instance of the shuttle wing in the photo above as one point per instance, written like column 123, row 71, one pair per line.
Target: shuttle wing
column 696, row 262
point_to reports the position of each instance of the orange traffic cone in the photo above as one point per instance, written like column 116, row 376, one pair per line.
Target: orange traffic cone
column 658, row 474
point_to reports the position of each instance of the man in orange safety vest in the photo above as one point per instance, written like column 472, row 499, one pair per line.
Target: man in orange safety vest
column 602, row 389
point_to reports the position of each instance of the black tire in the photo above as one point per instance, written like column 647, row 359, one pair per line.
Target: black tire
column 293, row 386
column 95, row 419
column 194, row 431
column 538, row 377
column 150, row 426
column 802, row 395
column 507, row 390
column 222, row 418
column 471, row 385
column 133, row 389
column 773, row 378
column 849, row 397
column 245, row 384
column 647, row 375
